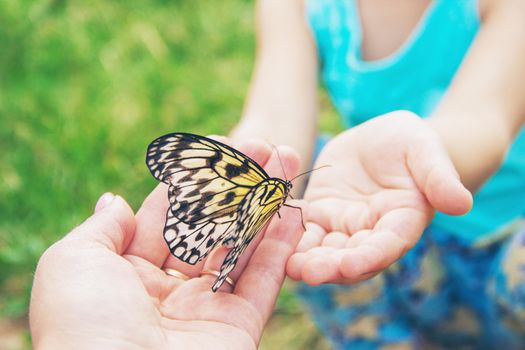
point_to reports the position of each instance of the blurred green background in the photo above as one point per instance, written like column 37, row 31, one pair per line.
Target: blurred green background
column 84, row 87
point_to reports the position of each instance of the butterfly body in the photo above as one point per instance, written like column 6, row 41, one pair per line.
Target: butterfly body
column 216, row 194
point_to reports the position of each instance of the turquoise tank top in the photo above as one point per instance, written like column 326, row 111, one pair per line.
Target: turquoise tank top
column 414, row 78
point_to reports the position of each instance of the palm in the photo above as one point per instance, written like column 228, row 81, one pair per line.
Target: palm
column 132, row 301
column 371, row 205
column 185, row 312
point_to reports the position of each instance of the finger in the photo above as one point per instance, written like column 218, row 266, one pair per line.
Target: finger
column 148, row 242
column 437, row 178
column 263, row 277
column 104, row 201
column 407, row 224
column 312, row 237
column 322, row 266
column 327, row 265
column 113, row 225
column 354, row 240
column 295, row 264
column 372, row 255
column 446, row 193
column 335, row 239
column 361, row 278
column 283, row 160
column 257, row 149
column 394, row 234
column 318, row 264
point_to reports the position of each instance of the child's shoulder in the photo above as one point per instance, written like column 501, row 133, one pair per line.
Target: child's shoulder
column 486, row 7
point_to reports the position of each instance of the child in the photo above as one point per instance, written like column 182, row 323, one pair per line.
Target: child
column 456, row 68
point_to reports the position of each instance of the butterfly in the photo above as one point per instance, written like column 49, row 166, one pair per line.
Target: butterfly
column 217, row 195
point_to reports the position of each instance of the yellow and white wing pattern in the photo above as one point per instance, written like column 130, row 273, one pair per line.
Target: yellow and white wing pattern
column 254, row 211
column 216, row 193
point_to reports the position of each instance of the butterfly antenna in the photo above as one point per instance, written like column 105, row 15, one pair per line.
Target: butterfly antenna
column 309, row 171
column 280, row 161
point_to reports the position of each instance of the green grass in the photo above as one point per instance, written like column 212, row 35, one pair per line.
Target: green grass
column 84, row 87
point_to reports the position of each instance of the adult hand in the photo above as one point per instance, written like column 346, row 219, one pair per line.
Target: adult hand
column 386, row 178
column 103, row 285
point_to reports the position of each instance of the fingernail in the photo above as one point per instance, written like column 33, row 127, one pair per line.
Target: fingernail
column 104, row 201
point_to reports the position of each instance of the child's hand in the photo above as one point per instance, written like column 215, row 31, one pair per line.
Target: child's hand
column 386, row 178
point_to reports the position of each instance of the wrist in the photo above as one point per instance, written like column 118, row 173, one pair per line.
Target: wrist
column 476, row 145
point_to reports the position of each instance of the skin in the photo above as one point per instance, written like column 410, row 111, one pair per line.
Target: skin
column 362, row 223
column 102, row 287
column 389, row 175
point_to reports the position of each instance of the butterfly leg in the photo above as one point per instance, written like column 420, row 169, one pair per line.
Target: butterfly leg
column 300, row 211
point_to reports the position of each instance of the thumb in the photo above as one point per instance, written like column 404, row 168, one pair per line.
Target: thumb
column 112, row 224
column 437, row 178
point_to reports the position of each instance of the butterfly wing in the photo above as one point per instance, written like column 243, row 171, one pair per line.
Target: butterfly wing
column 255, row 210
column 207, row 180
column 191, row 242
column 181, row 155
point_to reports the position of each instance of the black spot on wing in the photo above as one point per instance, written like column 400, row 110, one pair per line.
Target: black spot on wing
column 183, row 206
column 236, row 170
column 193, row 193
column 183, row 245
column 230, row 196
column 245, row 167
column 206, row 197
column 232, row 170
column 213, row 160
column 189, row 176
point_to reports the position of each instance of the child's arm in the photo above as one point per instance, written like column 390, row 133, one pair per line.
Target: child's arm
column 390, row 174
column 282, row 102
column 485, row 106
